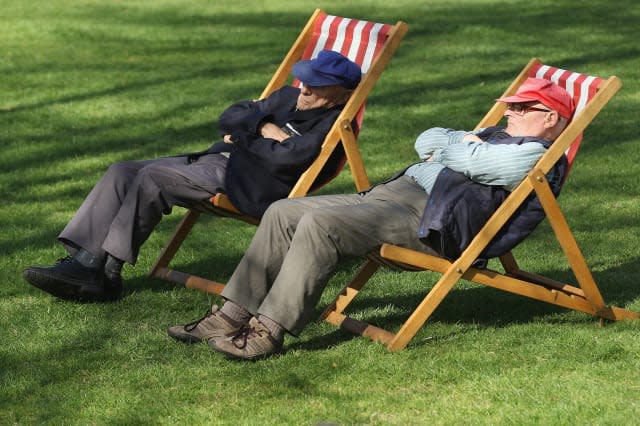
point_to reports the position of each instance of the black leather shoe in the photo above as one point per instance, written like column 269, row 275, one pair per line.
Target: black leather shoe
column 70, row 280
column 113, row 288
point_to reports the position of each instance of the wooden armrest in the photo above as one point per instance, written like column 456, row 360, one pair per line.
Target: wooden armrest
column 221, row 201
column 222, row 206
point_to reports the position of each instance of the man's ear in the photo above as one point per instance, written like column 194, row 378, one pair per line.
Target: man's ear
column 554, row 125
column 551, row 120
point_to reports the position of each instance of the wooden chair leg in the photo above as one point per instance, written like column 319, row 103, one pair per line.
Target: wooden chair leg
column 333, row 314
column 350, row 291
column 422, row 313
column 171, row 248
column 567, row 241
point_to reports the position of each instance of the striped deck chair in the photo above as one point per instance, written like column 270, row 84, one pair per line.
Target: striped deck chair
column 369, row 44
column 590, row 95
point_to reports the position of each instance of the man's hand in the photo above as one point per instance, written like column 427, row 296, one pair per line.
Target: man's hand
column 227, row 139
column 271, row 131
column 471, row 138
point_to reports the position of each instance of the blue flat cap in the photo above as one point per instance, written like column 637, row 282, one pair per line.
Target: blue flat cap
column 327, row 69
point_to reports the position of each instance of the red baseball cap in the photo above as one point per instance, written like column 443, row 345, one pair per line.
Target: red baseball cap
column 545, row 92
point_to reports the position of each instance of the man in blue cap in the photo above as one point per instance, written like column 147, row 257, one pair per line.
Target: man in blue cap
column 266, row 146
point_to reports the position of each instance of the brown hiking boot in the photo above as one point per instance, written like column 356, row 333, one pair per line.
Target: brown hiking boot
column 252, row 341
column 214, row 324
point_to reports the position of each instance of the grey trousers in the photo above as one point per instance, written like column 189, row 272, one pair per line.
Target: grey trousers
column 128, row 202
column 300, row 241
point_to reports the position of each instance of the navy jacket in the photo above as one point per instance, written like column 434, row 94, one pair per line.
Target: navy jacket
column 262, row 170
column 459, row 207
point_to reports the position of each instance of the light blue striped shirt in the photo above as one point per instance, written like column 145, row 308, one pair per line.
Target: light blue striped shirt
column 498, row 165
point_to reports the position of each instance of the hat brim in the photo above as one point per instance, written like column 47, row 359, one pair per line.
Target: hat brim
column 518, row 98
column 304, row 72
column 514, row 99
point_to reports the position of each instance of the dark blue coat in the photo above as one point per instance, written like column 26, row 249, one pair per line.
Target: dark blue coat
column 262, row 170
column 459, row 207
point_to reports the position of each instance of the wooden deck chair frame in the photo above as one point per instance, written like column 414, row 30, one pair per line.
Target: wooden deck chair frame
column 315, row 31
column 584, row 298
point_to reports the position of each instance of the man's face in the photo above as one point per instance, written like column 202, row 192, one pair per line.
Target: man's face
column 526, row 119
column 315, row 97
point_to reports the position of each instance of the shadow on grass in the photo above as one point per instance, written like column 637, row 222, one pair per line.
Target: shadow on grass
column 448, row 21
column 55, row 381
column 467, row 304
column 476, row 305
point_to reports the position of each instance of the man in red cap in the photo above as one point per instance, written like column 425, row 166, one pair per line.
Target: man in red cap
column 266, row 145
column 436, row 205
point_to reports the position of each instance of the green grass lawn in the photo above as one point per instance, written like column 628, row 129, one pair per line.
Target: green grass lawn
column 85, row 83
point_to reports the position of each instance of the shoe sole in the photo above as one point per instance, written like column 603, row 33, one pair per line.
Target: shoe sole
column 184, row 337
column 231, row 355
column 66, row 289
column 55, row 287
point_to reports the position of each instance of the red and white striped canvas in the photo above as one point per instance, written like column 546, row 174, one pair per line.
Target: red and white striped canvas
column 581, row 87
column 360, row 41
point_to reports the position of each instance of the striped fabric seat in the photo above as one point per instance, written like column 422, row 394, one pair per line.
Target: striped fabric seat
column 360, row 41
column 582, row 87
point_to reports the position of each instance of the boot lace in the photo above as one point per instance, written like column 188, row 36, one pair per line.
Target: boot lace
column 239, row 340
column 192, row 325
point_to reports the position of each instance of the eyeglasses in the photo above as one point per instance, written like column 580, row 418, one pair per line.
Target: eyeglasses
column 522, row 109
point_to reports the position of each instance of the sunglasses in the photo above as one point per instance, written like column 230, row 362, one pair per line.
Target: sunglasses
column 522, row 109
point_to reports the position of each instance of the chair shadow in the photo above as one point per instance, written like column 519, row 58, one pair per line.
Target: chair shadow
column 480, row 306
column 474, row 304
